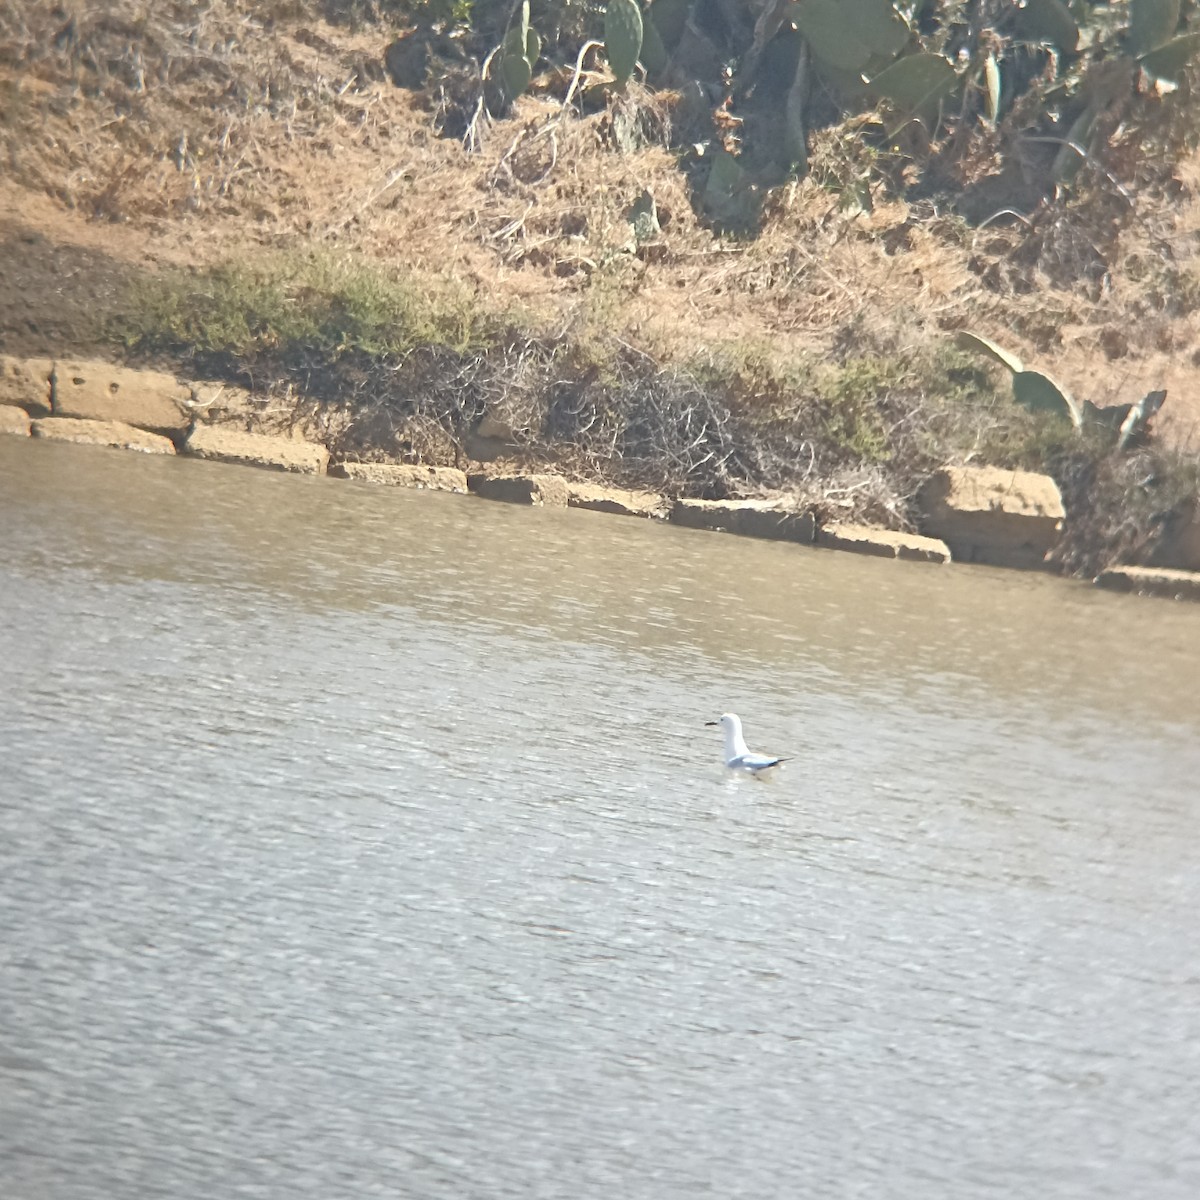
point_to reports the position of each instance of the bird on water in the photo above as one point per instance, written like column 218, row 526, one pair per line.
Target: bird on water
column 737, row 754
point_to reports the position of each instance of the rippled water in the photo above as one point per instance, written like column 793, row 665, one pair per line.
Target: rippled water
column 357, row 842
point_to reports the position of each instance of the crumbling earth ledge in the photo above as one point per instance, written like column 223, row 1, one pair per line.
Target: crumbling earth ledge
column 967, row 513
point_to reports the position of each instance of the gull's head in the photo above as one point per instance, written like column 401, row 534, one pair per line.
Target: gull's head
column 729, row 722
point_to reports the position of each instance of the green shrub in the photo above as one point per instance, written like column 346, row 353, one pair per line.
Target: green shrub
column 852, row 395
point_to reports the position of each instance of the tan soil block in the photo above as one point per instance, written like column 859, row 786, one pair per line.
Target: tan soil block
column 257, row 450
column 770, row 519
column 101, row 433
column 992, row 515
column 882, row 543
column 14, row 420
column 25, row 382
column 98, row 391
column 616, row 500
column 437, row 479
column 548, row 491
column 215, row 402
column 1152, row 581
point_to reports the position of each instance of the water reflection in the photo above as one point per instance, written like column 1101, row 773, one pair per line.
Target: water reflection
column 588, row 578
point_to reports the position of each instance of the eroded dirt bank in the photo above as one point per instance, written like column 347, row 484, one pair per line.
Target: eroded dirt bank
column 817, row 358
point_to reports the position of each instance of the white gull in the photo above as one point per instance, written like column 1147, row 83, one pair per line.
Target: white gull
column 737, row 754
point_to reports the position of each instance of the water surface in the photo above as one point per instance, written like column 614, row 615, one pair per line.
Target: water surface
column 357, row 842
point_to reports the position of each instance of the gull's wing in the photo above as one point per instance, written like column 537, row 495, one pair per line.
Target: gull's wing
column 754, row 762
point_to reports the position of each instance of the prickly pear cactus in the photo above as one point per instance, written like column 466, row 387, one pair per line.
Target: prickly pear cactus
column 1032, row 389
column 622, row 37
column 653, row 54
column 1161, row 51
column 668, row 18
column 1039, row 393
column 853, row 35
column 518, row 54
column 515, row 71
column 1151, row 24
column 533, row 47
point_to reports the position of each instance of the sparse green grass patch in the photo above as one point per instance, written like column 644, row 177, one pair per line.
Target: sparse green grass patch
column 302, row 304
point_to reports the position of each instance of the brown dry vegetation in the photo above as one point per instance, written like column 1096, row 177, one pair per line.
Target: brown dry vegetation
column 141, row 137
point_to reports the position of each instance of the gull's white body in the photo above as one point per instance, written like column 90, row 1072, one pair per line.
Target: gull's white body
column 737, row 754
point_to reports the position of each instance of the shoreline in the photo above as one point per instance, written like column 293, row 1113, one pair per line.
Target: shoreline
column 552, row 294
column 990, row 515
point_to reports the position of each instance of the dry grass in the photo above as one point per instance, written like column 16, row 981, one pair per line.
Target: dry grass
column 266, row 124
column 135, row 110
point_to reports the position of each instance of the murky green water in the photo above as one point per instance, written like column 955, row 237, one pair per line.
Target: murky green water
column 359, row 843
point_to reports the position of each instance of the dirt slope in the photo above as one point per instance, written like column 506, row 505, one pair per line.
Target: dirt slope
column 142, row 135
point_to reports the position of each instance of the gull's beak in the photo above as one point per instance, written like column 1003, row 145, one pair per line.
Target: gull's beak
column 712, row 722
